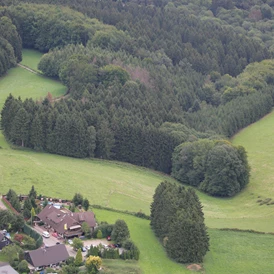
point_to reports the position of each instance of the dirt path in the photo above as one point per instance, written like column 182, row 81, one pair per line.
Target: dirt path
column 2, row 206
column 29, row 69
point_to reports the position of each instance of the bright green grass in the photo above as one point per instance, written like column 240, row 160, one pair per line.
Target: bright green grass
column 230, row 252
column 239, row 253
column 153, row 258
column 107, row 183
column 31, row 58
column 20, row 82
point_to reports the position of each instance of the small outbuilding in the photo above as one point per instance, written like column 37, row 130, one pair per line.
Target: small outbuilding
column 4, row 240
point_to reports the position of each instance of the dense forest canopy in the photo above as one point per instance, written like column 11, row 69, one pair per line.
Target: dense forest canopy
column 142, row 77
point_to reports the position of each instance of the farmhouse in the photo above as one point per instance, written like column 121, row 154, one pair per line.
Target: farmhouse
column 47, row 256
column 66, row 223
column 4, row 241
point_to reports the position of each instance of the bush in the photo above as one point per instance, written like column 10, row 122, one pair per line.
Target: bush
column 23, row 267
column 99, row 234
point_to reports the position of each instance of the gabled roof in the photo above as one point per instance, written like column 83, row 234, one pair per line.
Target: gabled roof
column 47, row 256
column 61, row 220
column 87, row 216
column 6, row 268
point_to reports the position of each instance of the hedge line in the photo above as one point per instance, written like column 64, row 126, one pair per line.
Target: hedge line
column 136, row 214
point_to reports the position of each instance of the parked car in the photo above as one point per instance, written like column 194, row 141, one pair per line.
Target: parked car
column 83, row 249
column 70, row 241
column 54, row 234
column 109, row 238
column 87, row 247
column 45, row 234
column 117, row 245
column 57, row 243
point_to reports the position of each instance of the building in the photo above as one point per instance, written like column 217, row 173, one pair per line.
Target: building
column 47, row 256
column 66, row 223
column 5, row 268
column 4, row 241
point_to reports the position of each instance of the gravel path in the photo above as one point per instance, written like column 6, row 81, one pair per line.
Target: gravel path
column 29, row 69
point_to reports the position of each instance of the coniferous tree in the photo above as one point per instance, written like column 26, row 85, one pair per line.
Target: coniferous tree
column 185, row 237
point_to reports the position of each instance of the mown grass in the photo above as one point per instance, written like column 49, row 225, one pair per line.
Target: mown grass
column 31, row 58
column 153, row 258
column 239, row 253
column 20, row 82
column 230, row 252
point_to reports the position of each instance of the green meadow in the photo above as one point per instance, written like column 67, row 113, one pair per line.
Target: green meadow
column 31, row 58
column 127, row 187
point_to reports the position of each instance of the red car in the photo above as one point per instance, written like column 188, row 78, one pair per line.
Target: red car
column 54, row 234
column 108, row 238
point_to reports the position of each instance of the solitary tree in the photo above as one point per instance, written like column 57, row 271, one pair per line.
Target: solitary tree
column 78, row 258
column 93, row 264
column 120, row 231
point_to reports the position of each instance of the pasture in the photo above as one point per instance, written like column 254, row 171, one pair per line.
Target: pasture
column 31, row 58
column 20, row 82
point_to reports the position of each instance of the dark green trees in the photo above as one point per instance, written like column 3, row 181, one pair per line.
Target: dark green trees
column 10, row 45
column 177, row 220
column 216, row 167
column 120, row 232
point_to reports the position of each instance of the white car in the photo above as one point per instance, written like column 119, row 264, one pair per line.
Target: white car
column 70, row 242
column 45, row 234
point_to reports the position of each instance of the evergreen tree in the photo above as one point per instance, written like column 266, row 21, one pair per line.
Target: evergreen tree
column 185, row 237
column 78, row 258
column 20, row 127
column 120, row 231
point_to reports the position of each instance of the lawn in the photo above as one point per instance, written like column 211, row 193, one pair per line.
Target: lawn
column 153, row 258
column 239, row 253
column 230, row 252
column 31, row 58
column 20, row 82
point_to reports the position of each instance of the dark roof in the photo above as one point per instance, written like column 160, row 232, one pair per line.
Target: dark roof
column 58, row 219
column 1, row 236
column 47, row 256
column 87, row 216
column 6, row 268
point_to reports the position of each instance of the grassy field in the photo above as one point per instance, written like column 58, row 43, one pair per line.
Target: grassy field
column 31, row 58
column 20, row 82
column 230, row 252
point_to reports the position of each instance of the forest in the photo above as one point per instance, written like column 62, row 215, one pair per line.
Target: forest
column 143, row 77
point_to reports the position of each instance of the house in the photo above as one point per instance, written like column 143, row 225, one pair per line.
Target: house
column 66, row 223
column 4, row 240
column 47, row 256
column 5, row 268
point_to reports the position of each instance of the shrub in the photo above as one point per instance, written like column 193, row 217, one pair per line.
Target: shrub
column 99, row 234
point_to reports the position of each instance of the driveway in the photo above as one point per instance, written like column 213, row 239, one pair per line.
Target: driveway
column 2, row 206
column 47, row 241
column 52, row 241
